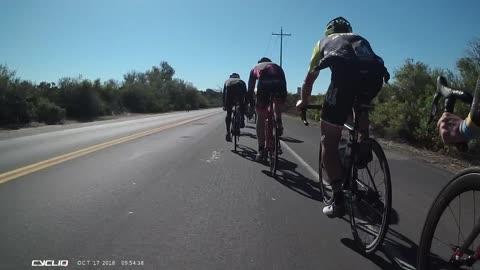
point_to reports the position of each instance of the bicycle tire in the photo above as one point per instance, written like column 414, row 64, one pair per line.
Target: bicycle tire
column 326, row 190
column 371, row 247
column 467, row 180
column 235, row 128
column 273, row 152
column 235, row 139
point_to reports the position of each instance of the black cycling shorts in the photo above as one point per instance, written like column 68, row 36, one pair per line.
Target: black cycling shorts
column 346, row 84
column 267, row 88
column 234, row 92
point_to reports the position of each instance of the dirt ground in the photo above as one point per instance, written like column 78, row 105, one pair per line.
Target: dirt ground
column 438, row 159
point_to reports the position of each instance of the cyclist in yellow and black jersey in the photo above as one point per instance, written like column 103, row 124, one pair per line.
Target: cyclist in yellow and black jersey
column 357, row 73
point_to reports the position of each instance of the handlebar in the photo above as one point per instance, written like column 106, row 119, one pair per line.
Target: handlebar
column 303, row 113
column 451, row 96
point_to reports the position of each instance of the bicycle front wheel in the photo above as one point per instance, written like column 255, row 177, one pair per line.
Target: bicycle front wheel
column 452, row 226
column 370, row 198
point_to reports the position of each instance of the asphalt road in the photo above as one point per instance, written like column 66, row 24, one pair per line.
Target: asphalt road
column 180, row 198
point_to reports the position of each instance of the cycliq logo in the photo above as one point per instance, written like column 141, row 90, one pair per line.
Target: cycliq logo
column 50, row 263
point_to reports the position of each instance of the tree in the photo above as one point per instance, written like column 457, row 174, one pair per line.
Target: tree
column 130, row 77
column 469, row 65
column 167, row 71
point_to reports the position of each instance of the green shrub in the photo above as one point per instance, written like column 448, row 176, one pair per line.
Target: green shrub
column 49, row 113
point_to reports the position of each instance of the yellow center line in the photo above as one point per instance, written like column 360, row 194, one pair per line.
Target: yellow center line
column 7, row 176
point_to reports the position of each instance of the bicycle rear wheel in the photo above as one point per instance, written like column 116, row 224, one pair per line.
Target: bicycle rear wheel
column 371, row 199
column 236, row 129
column 235, row 142
column 446, row 230
column 273, row 149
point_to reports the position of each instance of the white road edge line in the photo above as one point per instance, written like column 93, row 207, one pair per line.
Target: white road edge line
column 303, row 162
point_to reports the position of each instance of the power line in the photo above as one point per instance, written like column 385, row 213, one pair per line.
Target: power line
column 281, row 42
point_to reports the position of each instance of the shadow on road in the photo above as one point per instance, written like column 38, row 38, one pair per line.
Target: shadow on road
column 250, row 135
column 394, row 217
column 288, row 176
column 246, row 152
column 290, row 140
column 250, row 127
column 399, row 251
column 376, row 259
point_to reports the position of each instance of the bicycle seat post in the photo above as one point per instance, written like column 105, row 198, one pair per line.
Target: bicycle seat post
column 357, row 114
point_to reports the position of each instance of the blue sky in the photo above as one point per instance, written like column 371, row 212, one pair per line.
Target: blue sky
column 205, row 41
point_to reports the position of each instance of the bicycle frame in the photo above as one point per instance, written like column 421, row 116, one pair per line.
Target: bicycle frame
column 470, row 260
column 234, row 116
column 353, row 144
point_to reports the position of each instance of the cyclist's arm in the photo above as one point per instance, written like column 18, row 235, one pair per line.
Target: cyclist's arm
column 224, row 90
column 245, row 92
column 251, row 85
column 312, row 74
column 470, row 127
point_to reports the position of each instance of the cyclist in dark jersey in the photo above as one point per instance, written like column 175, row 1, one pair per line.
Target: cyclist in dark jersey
column 454, row 129
column 234, row 89
column 271, row 81
column 357, row 72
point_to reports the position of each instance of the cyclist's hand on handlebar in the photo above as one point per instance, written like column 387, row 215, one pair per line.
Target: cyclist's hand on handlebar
column 449, row 127
column 386, row 76
column 301, row 104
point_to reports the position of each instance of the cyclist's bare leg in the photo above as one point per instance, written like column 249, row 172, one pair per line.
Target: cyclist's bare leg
column 260, row 128
column 228, row 119
column 330, row 157
column 278, row 108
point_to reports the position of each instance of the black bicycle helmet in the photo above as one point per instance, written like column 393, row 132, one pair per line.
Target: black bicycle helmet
column 263, row 60
column 338, row 25
column 235, row 75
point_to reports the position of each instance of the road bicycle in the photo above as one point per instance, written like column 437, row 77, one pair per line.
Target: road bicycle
column 272, row 138
column 439, row 247
column 367, row 186
column 236, row 124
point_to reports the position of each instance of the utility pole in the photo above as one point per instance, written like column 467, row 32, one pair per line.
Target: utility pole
column 281, row 42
